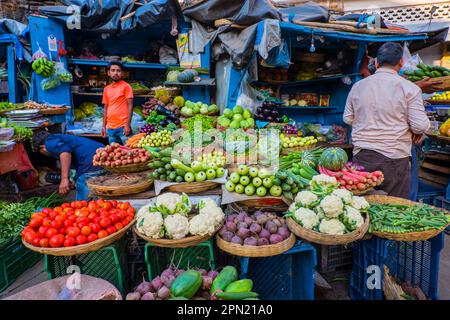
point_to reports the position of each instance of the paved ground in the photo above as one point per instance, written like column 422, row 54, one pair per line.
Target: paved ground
column 338, row 292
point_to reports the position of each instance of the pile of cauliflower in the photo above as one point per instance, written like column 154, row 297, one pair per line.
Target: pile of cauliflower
column 168, row 217
column 335, row 213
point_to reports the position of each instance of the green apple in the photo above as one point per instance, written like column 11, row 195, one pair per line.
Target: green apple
column 257, row 182
column 267, row 182
column 253, row 172
column 224, row 122
column 196, row 109
column 247, row 114
column 220, row 172
column 238, row 117
column 230, row 186
column 228, row 113
column 200, row 176
column 238, row 110
column 199, row 104
column 235, row 125
column 276, row 191
column 261, row 191
column 243, row 170
column 251, row 122
column 189, row 177
column 211, row 174
column 235, row 177
column 197, row 166
column 244, row 180
column 244, row 124
column 249, row 190
column 239, row 188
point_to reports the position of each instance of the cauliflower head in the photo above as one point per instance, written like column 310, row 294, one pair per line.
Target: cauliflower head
column 207, row 203
column 202, row 224
column 354, row 217
column 323, row 180
column 306, row 198
column 344, row 194
column 332, row 226
column 293, row 207
column 360, row 203
column 209, row 207
column 143, row 210
column 151, row 225
column 332, row 206
column 177, row 226
column 170, row 203
column 306, row 217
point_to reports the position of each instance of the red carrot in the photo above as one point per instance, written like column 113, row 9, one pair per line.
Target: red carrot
column 354, row 176
column 377, row 173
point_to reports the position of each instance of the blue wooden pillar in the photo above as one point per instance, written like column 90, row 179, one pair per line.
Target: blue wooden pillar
column 12, row 73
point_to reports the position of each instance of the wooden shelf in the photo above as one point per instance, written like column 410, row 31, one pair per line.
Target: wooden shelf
column 134, row 65
column 296, row 108
column 435, row 167
column 305, row 82
column 95, row 94
column 436, row 179
column 202, row 82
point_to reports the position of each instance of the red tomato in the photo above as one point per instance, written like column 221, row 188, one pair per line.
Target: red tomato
column 29, row 236
column 62, row 231
column 111, row 229
column 47, row 222
column 38, row 215
column 65, row 205
column 67, row 224
column 66, row 210
column 86, row 230
column 121, row 214
column 56, row 241
column 43, row 230
column 84, row 203
column 36, row 222
column 114, row 203
column 43, row 242
column 72, row 219
column 56, row 224
column 118, row 225
column 92, row 206
column 81, row 239
column 25, row 230
column 36, row 241
column 129, row 219
column 97, row 219
column 70, row 242
column 92, row 216
column 82, row 224
column 53, row 214
column 105, row 222
column 124, row 222
column 102, row 234
column 58, row 209
column 61, row 217
column 92, row 237
column 46, row 210
column 100, row 202
column 114, row 218
column 95, row 227
column 73, row 204
column 84, row 213
column 51, row 232
column 73, row 231
column 82, row 219
column 131, row 211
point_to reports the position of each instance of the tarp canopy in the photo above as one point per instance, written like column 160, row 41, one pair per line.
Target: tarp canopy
column 105, row 17
column 19, row 33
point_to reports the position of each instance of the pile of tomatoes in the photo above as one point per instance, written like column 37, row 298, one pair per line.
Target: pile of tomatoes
column 77, row 223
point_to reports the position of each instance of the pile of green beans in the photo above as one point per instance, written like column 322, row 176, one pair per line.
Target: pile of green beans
column 391, row 218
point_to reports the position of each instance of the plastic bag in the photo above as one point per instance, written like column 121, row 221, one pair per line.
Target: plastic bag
column 50, row 83
column 39, row 54
column 409, row 62
column 249, row 97
column 278, row 56
column 62, row 74
column 167, row 55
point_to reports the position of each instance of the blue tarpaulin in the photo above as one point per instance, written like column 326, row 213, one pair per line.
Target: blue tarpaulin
column 18, row 33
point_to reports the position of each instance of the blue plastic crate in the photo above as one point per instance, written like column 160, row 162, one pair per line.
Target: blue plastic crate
column 288, row 276
column 428, row 197
column 414, row 262
column 441, row 202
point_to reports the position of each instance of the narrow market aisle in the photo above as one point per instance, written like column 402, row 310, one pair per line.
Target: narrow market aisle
column 444, row 271
column 30, row 278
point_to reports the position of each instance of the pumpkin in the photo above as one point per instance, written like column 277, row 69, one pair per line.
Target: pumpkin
column 172, row 76
column 333, row 159
column 186, row 76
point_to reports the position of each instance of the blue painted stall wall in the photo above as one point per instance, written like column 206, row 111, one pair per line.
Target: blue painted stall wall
column 40, row 29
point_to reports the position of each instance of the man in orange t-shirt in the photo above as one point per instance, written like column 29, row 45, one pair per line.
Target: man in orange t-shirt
column 118, row 102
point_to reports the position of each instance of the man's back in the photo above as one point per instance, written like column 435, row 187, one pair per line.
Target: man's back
column 383, row 110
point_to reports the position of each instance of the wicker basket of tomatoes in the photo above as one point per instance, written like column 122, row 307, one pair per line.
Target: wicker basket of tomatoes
column 78, row 227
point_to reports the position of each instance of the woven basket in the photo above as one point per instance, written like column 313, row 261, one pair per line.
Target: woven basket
column 409, row 236
column 263, row 203
column 256, row 251
column 84, row 248
column 171, row 91
column 192, row 187
column 180, row 243
column 287, row 151
column 115, row 191
column 361, row 192
column 328, row 239
column 142, row 91
column 54, row 111
column 130, row 168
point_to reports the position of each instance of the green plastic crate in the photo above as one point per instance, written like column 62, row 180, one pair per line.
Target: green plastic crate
column 199, row 256
column 15, row 259
column 108, row 263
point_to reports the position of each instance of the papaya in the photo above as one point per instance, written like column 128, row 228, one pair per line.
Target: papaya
column 186, row 284
column 236, row 295
column 244, row 285
column 228, row 275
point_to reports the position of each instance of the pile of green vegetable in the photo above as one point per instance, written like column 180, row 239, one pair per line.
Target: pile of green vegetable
column 20, row 133
column 424, row 70
column 393, row 218
column 206, row 122
column 7, row 106
column 15, row 216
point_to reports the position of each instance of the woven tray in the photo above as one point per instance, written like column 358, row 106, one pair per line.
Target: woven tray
column 409, row 236
column 361, row 192
column 328, row 239
column 264, row 202
column 256, row 251
column 130, row 168
column 54, row 111
column 84, row 248
column 192, row 187
column 180, row 243
column 115, row 191
column 287, row 151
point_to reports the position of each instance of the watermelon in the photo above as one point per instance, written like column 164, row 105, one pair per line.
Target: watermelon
column 308, row 159
column 333, row 159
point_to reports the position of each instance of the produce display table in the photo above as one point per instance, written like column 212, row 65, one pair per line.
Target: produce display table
column 15, row 160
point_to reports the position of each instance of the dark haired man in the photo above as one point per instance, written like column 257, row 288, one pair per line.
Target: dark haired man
column 118, row 102
column 73, row 152
column 385, row 111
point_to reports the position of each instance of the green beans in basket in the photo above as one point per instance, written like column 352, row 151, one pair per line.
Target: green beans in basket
column 392, row 218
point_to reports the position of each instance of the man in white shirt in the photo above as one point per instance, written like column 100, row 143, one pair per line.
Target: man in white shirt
column 385, row 111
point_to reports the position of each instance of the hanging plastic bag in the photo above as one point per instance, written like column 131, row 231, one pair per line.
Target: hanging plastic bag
column 409, row 62
column 50, row 82
column 167, row 55
column 249, row 97
column 39, row 54
column 62, row 73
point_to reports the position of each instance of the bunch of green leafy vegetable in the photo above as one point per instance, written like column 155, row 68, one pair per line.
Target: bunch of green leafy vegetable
column 155, row 118
column 206, row 122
